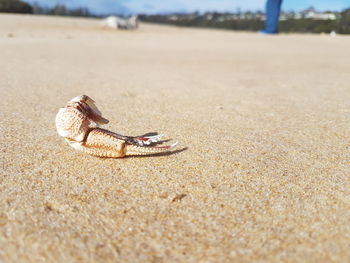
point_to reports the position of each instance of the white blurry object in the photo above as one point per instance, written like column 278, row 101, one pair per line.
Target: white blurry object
column 333, row 33
column 117, row 22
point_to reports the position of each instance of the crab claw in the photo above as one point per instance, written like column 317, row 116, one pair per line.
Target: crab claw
column 88, row 105
column 131, row 150
column 78, row 123
column 147, row 140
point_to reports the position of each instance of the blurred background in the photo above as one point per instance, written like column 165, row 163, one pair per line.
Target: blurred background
column 312, row 16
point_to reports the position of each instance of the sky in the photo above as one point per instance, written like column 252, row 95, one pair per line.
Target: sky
column 168, row 6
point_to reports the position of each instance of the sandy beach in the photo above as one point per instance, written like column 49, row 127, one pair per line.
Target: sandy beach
column 264, row 119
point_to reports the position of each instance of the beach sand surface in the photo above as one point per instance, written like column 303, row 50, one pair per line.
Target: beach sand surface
column 265, row 121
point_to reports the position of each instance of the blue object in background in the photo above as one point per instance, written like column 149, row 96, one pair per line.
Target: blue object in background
column 272, row 13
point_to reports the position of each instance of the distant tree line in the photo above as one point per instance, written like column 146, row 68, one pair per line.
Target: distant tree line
column 341, row 25
column 61, row 10
column 15, row 6
column 253, row 22
column 344, row 22
column 18, row 6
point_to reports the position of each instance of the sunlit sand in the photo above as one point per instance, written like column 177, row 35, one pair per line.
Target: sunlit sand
column 265, row 176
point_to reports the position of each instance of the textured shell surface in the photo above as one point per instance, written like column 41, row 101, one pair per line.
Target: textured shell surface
column 72, row 124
